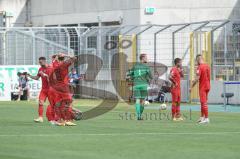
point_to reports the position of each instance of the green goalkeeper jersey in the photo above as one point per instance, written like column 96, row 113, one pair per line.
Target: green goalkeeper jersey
column 140, row 74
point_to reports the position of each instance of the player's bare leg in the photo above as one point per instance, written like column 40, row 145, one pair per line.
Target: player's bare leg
column 40, row 112
column 174, row 111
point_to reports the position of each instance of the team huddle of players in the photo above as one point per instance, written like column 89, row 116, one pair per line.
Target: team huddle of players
column 141, row 75
column 56, row 89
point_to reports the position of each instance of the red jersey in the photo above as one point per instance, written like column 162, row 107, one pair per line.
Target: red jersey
column 59, row 76
column 55, row 63
column 176, row 78
column 61, row 71
column 203, row 71
column 44, row 73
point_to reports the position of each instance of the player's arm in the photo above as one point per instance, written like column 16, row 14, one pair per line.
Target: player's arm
column 70, row 61
column 33, row 77
column 73, row 59
column 171, row 78
column 129, row 75
column 150, row 76
column 195, row 81
column 67, row 56
column 181, row 72
column 19, row 83
column 54, row 57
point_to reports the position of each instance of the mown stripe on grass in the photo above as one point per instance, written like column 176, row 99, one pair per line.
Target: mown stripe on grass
column 119, row 134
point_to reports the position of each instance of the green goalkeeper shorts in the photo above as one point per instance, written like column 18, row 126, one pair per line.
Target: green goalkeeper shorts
column 140, row 91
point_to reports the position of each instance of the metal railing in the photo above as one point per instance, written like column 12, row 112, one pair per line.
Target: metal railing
column 162, row 43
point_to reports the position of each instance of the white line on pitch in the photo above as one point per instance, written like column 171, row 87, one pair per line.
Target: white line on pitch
column 117, row 134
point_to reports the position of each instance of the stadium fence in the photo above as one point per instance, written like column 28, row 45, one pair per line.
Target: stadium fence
column 120, row 46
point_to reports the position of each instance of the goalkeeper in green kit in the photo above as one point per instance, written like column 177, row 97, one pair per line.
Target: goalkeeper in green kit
column 141, row 76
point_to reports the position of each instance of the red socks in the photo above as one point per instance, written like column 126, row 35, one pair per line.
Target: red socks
column 204, row 110
column 174, row 110
column 178, row 111
column 40, row 110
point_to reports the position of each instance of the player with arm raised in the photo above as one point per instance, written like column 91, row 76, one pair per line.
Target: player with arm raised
column 203, row 77
column 43, row 73
column 175, row 77
column 62, row 98
column 141, row 75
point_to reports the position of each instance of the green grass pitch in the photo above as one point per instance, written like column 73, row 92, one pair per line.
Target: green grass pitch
column 111, row 137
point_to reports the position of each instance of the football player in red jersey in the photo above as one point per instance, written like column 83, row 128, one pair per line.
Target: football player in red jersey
column 43, row 73
column 175, row 77
column 59, row 87
column 203, row 77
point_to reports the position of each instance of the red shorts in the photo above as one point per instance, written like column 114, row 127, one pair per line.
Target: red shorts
column 203, row 96
column 57, row 97
column 43, row 95
column 176, row 96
